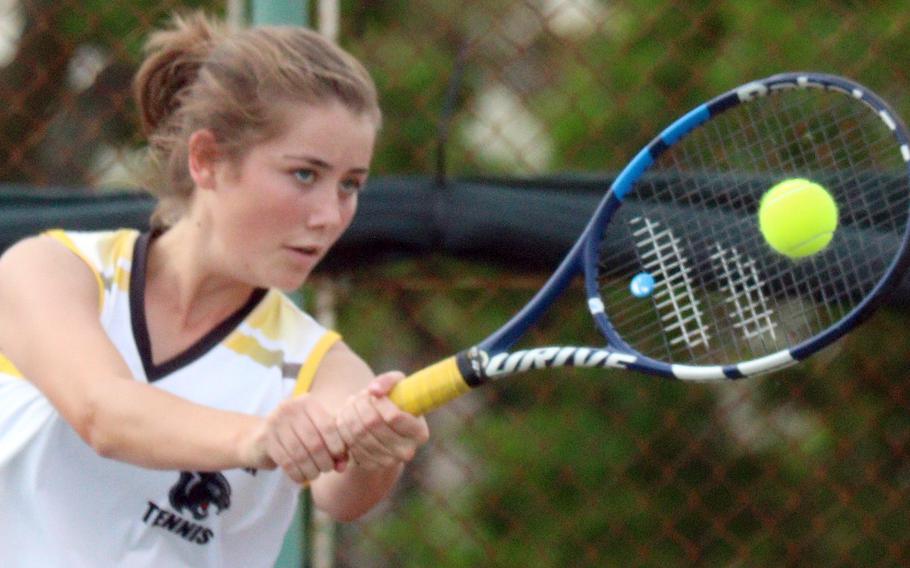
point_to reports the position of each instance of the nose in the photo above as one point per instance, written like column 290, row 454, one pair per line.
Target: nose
column 323, row 209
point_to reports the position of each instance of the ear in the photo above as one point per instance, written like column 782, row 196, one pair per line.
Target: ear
column 202, row 157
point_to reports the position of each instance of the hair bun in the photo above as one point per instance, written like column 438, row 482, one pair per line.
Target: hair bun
column 174, row 56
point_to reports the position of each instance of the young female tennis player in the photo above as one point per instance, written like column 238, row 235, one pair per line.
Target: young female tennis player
column 161, row 400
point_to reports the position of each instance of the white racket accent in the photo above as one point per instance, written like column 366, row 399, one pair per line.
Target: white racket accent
column 777, row 360
column 596, row 305
column 771, row 362
column 905, row 152
column 889, row 122
column 674, row 295
column 693, row 373
column 750, row 91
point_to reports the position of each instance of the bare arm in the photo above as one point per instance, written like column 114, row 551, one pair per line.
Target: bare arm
column 379, row 437
column 49, row 328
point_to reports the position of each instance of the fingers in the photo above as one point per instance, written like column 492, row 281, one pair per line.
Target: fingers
column 402, row 423
column 363, row 447
column 327, row 444
column 378, row 433
column 383, row 384
column 304, row 440
column 299, row 466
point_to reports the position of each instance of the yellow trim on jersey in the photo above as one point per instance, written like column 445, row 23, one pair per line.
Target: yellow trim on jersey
column 7, row 367
column 116, row 249
column 65, row 240
column 308, row 370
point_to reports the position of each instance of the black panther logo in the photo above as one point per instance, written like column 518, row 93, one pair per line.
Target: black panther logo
column 196, row 490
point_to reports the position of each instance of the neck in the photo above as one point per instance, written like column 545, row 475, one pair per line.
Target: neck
column 184, row 278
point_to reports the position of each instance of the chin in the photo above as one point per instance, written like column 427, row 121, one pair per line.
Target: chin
column 290, row 283
column 284, row 276
column 289, row 289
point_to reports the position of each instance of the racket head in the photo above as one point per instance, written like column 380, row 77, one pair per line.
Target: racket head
column 676, row 269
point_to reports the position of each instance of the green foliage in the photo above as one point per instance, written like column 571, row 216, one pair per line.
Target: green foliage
column 593, row 468
column 121, row 26
column 602, row 96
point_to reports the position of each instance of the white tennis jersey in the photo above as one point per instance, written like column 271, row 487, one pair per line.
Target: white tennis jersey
column 62, row 505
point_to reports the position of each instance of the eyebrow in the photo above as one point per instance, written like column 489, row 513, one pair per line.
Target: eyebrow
column 322, row 164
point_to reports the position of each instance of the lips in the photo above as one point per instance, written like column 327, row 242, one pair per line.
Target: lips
column 305, row 252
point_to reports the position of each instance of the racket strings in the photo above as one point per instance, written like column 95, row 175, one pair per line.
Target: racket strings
column 721, row 294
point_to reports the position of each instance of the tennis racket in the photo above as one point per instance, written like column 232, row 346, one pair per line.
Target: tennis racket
column 677, row 275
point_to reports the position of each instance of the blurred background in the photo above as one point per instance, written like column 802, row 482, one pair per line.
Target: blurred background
column 807, row 467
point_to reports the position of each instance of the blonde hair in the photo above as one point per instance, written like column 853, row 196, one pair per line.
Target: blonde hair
column 200, row 74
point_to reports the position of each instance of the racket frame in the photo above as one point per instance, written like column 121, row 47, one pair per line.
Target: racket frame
column 490, row 359
column 584, row 255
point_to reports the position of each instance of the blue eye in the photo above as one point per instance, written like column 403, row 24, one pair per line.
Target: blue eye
column 305, row 176
column 351, row 186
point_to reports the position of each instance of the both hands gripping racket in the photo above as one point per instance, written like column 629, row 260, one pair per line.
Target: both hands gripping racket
column 678, row 277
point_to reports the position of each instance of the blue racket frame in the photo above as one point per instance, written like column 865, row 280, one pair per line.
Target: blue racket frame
column 584, row 255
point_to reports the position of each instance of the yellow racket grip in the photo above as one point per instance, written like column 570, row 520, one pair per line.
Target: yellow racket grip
column 430, row 388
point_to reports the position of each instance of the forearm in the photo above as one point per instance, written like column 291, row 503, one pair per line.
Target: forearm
column 349, row 495
column 139, row 424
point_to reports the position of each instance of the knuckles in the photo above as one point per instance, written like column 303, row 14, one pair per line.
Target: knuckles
column 374, row 422
column 361, row 422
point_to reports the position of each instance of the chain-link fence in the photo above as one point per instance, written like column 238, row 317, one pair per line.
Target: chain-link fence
column 560, row 468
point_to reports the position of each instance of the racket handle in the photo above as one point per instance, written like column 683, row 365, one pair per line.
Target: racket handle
column 430, row 388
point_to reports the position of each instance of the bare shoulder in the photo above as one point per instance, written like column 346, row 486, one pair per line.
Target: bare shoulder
column 37, row 251
column 25, row 251
column 41, row 282
column 39, row 264
column 341, row 374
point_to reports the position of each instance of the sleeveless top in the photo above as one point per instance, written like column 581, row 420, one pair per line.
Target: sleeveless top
column 61, row 504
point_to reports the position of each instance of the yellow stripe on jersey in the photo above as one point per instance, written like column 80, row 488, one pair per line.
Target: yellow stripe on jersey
column 274, row 319
column 65, row 240
column 250, row 346
column 308, row 371
column 121, row 278
column 7, row 367
column 267, row 316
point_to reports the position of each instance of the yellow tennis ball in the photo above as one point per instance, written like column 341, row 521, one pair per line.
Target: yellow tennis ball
column 797, row 217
